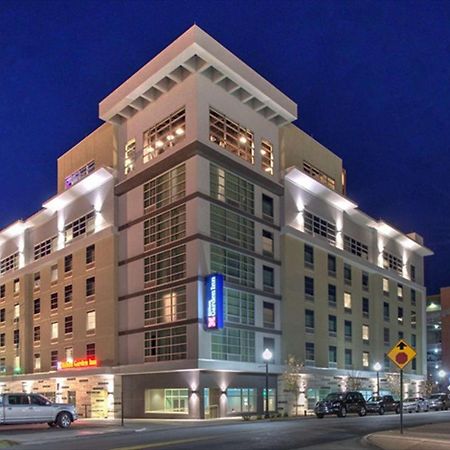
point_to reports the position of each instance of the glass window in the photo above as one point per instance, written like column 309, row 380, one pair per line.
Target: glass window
column 269, row 343
column 347, row 300
column 267, row 243
column 164, row 135
column 79, row 174
column 54, row 330
column 365, row 333
column 386, row 336
column 16, row 311
column 347, row 274
column 332, row 265
column 165, row 306
column 268, row 279
column 82, row 226
column 385, row 286
column 2, row 340
column 36, row 364
column 386, row 311
column 2, row 291
column 37, row 281
column 316, row 226
column 53, row 300
column 46, row 247
column 9, row 264
column 319, row 175
column 392, row 262
column 68, row 324
column 332, row 325
column 36, row 306
column 309, row 256
column 413, row 297
column 356, row 247
column 16, row 286
column 3, row 314
column 130, row 156
column 167, row 401
column 229, row 188
column 90, row 350
column 236, row 267
column 232, row 344
column 166, row 344
column 90, row 254
column 400, row 315
column 267, row 207
column 37, row 334
column 309, row 352
column 69, row 353
column 400, row 292
column 332, row 295
column 241, row 400
column 68, row 293
column 54, row 274
column 348, row 357
column 90, row 321
column 365, row 307
column 332, row 354
column 90, row 286
column 412, row 271
column 365, row 281
column 239, row 307
column 16, row 337
column 268, row 315
column 309, row 288
column 309, row 320
column 68, row 263
column 54, row 359
column 348, row 329
column 267, row 157
column 231, row 136
column 167, row 227
column 165, row 267
column 365, row 359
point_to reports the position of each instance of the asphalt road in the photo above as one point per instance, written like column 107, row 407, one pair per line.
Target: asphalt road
column 306, row 433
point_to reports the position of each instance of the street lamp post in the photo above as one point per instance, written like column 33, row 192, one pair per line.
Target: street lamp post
column 267, row 356
column 441, row 375
column 377, row 367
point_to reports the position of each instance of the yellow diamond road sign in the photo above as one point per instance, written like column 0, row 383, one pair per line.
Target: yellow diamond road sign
column 401, row 353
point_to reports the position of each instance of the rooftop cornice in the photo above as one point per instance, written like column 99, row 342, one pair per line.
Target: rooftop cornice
column 195, row 51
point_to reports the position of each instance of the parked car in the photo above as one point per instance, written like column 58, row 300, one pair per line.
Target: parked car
column 439, row 401
column 381, row 404
column 341, row 403
column 35, row 408
column 415, row 404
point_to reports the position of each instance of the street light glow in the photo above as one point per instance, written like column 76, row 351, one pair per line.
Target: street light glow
column 377, row 367
column 267, row 355
column 441, row 373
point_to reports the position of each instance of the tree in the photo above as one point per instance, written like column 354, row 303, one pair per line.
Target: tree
column 393, row 382
column 354, row 381
column 428, row 387
column 291, row 378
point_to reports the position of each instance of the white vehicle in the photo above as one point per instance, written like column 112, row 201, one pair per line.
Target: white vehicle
column 35, row 408
column 415, row 404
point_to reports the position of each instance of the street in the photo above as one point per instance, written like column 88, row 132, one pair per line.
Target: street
column 306, row 433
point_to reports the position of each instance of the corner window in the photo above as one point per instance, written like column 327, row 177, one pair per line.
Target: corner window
column 309, row 288
column 267, row 243
column 347, row 301
column 267, row 157
column 331, row 265
column 130, row 156
column 309, row 256
column 267, row 207
column 268, row 315
column 268, row 279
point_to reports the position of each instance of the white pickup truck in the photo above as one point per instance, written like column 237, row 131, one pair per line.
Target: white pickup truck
column 35, row 408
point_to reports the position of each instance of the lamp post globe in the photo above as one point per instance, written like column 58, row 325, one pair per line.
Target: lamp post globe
column 377, row 367
column 441, row 373
column 267, row 356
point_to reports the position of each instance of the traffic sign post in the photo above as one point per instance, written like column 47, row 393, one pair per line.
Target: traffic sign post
column 401, row 354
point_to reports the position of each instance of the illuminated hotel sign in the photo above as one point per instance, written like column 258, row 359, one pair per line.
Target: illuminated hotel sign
column 214, row 302
column 77, row 363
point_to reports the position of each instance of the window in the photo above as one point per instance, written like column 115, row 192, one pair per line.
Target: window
column 309, row 256
column 37, row 361
column 37, row 281
column 79, row 227
column 365, row 333
column 348, row 357
column 386, row 336
column 365, row 281
column 167, row 227
column 167, row 266
column 90, row 287
column 413, row 319
column 332, row 325
column 165, row 189
column 269, row 343
column 241, row 400
column 412, row 271
column 68, row 325
column 69, row 353
column 164, row 135
column 79, row 174
column 332, row 295
column 37, row 334
column 348, row 330
column 54, row 274
column 130, row 156
column 231, row 136
column 233, row 228
column 37, row 306
column 44, row 248
column 2, row 315
column 166, row 401
column 385, row 286
column 347, row 274
column 90, row 321
column 232, row 344
column 9, row 264
column 309, row 352
column 68, row 264
column 316, row 226
column 90, row 351
column 319, row 175
column 400, row 315
column 165, row 345
column 309, row 288
column 236, row 267
column 348, row 301
column 2, row 291
column 332, row 355
column 413, row 340
column 414, row 364
column 239, row 307
column 365, row 307
column 386, row 311
column 268, row 315
column 2, row 340
column 309, row 320
column 413, row 297
column 16, row 286
column 231, row 189
column 267, row 243
column 2, row 365
column 356, row 247
column 165, row 306
column 332, row 265
column 400, row 292
column 365, row 359
column 54, row 359
column 53, row 301
column 401, row 334
column 267, row 157
column 267, row 207
column 16, row 337
column 268, row 279
column 68, row 293
column 90, row 254
column 392, row 262
column 54, row 330
column 16, row 312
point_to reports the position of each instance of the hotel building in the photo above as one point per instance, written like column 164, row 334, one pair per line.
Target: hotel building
column 197, row 179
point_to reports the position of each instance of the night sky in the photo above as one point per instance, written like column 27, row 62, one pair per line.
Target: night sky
column 372, row 81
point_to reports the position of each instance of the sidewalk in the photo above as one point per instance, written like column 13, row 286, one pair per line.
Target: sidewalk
column 425, row 437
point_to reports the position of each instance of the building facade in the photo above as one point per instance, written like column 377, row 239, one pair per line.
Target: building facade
column 196, row 180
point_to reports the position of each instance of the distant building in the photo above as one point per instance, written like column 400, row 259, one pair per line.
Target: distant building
column 198, row 178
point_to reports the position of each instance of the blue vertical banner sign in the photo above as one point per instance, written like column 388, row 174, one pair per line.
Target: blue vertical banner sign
column 214, row 301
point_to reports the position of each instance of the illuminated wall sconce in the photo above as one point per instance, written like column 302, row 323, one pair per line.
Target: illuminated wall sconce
column 195, row 392
column 223, row 392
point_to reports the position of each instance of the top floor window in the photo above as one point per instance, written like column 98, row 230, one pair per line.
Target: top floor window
column 392, row 262
column 267, row 157
column 130, row 156
column 356, row 247
column 319, row 175
column 316, row 226
column 46, row 247
column 79, row 174
column 412, row 271
column 9, row 263
column 164, row 135
column 231, row 136
column 83, row 225
column 267, row 207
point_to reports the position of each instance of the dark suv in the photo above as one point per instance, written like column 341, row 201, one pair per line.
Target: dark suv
column 341, row 403
column 439, row 401
column 382, row 404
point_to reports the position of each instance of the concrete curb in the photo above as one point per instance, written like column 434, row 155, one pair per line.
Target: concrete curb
column 389, row 441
